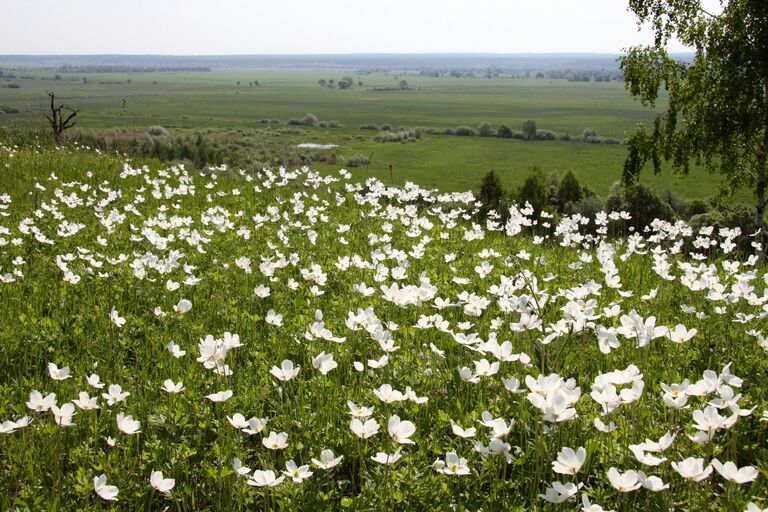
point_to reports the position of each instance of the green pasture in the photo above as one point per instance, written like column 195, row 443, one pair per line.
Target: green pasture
column 213, row 103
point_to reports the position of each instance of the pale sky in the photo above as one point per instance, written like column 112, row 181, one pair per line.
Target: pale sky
column 205, row 27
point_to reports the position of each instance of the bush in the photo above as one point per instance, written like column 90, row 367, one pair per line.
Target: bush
column 484, row 129
column 157, row 131
column 696, row 207
column 14, row 86
column 386, row 127
column 357, row 161
column 588, row 134
column 370, row 126
column 405, row 135
column 641, row 202
column 504, row 132
column 309, row 120
column 464, row 131
column 545, row 135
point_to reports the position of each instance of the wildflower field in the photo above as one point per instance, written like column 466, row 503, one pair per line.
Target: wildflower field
column 182, row 340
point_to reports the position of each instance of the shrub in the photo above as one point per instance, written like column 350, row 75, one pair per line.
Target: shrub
column 504, row 132
column 357, row 161
column 309, row 120
column 545, row 135
column 464, row 131
column 641, row 202
column 386, row 127
column 370, row 126
column 157, row 131
column 405, row 135
column 484, row 129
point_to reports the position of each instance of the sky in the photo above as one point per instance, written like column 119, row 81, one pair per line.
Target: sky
column 218, row 27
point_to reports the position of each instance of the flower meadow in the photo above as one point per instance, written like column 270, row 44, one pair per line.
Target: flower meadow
column 220, row 340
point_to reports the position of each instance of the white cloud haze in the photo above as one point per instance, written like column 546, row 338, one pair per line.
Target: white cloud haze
column 199, row 27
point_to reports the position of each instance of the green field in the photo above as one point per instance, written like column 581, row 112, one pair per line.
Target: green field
column 213, row 103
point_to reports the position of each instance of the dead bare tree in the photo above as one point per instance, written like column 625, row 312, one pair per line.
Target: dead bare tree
column 58, row 123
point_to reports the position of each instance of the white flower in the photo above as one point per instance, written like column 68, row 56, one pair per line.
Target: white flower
column 266, row 478
column 400, row 431
column 221, row 396
column 241, row 470
column 652, row 483
column 171, row 387
column 85, row 402
column 383, row 458
column 115, row 394
column 175, row 350
column 327, row 460
column 38, row 403
column 275, row 441
column 106, row 492
column 730, row 472
column 568, row 461
column 324, row 363
column 464, row 433
column 57, row 373
column 116, row 318
column 387, row 394
column 624, row 482
column 127, row 424
column 183, row 306
column 163, row 485
column 364, row 430
column 559, row 492
column 93, row 381
column 297, row 474
column 453, row 465
column 63, row 415
column 359, row 412
column 273, row 318
column 692, row 469
column 286, row 371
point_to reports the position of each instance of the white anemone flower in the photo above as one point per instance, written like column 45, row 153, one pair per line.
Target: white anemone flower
column 164, row 485
column 286, row 371
column 105, row 492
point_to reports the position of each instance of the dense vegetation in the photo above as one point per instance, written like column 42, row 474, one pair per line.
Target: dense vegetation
column 449, row 357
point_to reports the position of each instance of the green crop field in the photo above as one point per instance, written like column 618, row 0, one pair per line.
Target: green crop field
column 213, row 103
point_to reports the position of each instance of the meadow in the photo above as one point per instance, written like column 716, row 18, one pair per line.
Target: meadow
column 177, row 339
column 237, row 117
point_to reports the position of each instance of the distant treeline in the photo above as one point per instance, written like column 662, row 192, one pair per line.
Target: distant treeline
column 129, row 69
column 571, row 74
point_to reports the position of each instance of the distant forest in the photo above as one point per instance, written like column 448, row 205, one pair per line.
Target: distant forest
column 555, row 65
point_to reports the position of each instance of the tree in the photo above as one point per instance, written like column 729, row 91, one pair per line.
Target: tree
column 321, row 82
column 57, row 120
column 529, row 129
column 569, row 190
column 491, row 194
column 717, row 108
column 535, row 190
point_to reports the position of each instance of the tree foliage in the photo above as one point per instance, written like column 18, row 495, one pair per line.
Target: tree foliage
column 717, row 108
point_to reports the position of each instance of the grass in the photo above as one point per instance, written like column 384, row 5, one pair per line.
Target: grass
column 212, row 103
column 129, row 233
